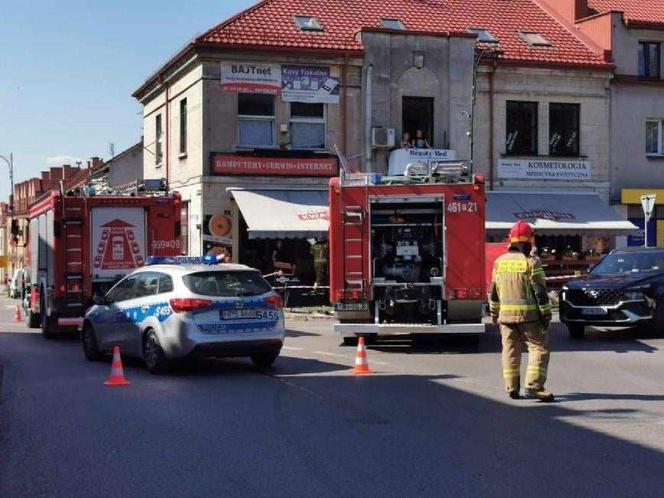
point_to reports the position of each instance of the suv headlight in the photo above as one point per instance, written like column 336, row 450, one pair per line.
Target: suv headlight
column 563, row 292
column 635, row 294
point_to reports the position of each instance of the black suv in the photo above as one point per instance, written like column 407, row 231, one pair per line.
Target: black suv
column 624, row 289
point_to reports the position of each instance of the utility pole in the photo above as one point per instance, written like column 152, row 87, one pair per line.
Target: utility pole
column 10, row 164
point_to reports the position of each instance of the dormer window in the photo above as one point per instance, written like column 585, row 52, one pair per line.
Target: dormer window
column 393, row 24
column 534, row 39
column 483, row 35
column 308, row 23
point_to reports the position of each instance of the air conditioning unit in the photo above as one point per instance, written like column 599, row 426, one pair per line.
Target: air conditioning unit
column 383, row 137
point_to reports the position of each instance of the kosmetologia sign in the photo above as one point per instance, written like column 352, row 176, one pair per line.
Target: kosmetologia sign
column 233, row 164
column 251, row 78
column 544, row 169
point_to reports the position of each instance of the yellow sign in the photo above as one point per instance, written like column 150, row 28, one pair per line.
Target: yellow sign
column 633, row 195
column 660, row 233
column 3, row 260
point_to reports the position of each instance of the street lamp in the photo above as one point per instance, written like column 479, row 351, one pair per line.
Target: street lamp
column 10, row 164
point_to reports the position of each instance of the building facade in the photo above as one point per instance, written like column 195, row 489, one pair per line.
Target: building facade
column 258, row 107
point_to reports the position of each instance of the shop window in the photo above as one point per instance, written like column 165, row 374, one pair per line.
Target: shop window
column 307, row 126
column 159, row 137
column 654, row 137
column 521, row 138
column 255, row 120
column 183, row 126
column 649, row 59
column 564, row 129
column 417, row 114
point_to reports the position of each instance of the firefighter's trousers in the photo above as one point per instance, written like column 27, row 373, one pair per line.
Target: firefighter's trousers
column 537, row 341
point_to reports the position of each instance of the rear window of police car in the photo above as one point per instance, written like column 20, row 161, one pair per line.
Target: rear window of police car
column 227, row 284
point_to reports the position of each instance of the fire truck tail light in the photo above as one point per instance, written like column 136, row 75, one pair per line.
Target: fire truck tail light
column 275, row 301
column 180, row 305
column 355, row 295
column 466, row 293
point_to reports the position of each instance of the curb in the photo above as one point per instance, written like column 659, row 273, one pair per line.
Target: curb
column 307, row 316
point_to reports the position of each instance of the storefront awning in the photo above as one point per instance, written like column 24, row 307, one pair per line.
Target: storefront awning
column 283, row 214
column 556, row 213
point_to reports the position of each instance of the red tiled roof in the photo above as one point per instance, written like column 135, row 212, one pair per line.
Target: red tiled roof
column 634, row 11
column 270, row 24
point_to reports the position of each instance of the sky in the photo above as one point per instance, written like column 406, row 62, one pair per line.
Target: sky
column 68, row 69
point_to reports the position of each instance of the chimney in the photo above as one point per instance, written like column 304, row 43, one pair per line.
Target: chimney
column 95, row 163
column 581, row 9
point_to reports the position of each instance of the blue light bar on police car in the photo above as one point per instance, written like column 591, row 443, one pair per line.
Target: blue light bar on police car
column 208, row 259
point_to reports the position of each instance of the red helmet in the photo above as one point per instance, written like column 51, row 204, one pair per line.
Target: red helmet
column 521, row 232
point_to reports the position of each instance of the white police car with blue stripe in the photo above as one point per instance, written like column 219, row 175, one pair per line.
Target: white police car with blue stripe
column 187, row 307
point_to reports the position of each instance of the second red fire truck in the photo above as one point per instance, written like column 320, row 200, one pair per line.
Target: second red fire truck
column 407, row 253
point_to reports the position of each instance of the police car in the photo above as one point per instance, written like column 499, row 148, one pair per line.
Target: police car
column 187, row 307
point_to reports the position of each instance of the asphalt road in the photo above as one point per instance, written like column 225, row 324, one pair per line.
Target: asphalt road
column 433, row 421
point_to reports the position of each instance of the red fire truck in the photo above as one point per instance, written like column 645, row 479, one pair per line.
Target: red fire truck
column 80, row 245
column 407, row 253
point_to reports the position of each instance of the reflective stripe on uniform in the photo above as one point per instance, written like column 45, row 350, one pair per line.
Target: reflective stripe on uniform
column 518, row 307
column 509, row 373
column 510, row 266
column 536, row 369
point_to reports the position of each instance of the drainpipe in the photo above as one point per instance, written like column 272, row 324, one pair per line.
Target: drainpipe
column 344, row 107
column 492, row 155
column 368, row 119
column 168, row 134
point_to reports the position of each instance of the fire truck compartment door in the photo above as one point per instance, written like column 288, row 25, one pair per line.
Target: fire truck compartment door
column 117, row 240
column 283, row 214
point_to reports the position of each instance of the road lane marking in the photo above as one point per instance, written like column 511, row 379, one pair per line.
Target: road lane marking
column 291, row 348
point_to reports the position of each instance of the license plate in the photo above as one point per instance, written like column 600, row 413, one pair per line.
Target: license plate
column 241, row 314
column 594, row 312
column 351, row 307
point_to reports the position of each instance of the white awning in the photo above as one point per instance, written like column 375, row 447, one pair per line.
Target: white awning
column 283, row 214
column 555, row 213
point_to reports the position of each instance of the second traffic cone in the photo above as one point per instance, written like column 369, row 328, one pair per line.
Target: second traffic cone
column 361, row 363
column 17, row 314
column 117, row 377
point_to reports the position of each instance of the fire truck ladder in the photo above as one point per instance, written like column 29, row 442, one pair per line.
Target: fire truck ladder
column 353, row 235
column 72, row 228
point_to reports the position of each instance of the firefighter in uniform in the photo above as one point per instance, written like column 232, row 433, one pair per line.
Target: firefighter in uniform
column 319, row 252
column 520, row 306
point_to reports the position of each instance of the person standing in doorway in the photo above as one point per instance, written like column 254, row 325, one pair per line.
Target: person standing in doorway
column 520, row 306
column 319, row 250
column 420, row 140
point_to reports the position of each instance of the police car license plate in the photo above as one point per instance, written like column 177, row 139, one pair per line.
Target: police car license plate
column 594, row 311
column 241, row 314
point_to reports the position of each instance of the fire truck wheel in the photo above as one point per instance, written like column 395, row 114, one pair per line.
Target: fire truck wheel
column 89, row 342
column 153, row 354
column 48, row 323
column 32, row 319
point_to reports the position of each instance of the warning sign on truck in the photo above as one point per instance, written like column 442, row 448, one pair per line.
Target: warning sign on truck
column 118, row 240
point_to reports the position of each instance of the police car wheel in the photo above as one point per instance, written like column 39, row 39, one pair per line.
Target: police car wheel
column 89, row 341
column 264, row 360
column 153, row 354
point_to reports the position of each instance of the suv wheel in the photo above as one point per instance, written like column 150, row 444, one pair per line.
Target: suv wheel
column 576, row 331
column 89, row 342
column 264, row 360
column 153, row 354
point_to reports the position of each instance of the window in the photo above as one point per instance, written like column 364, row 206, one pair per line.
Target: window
column 564, row 129
column 183, row 126
column 308, row 23
column 483, row 35
column 227, row 284
column 655, row 137
column 184, row 228
column 307, row 126
column 417, row 114
column 649, row 58
column 393, row 24
column 521, row 139
column 159, row 136
column 125, row 289
column 147, row 285
column 255, row 120
column 534, row 39
column 165, row 283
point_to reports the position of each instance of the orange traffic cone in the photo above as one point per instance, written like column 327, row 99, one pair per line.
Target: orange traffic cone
column 17, row 314
column 117, row 378
column 361, row 363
